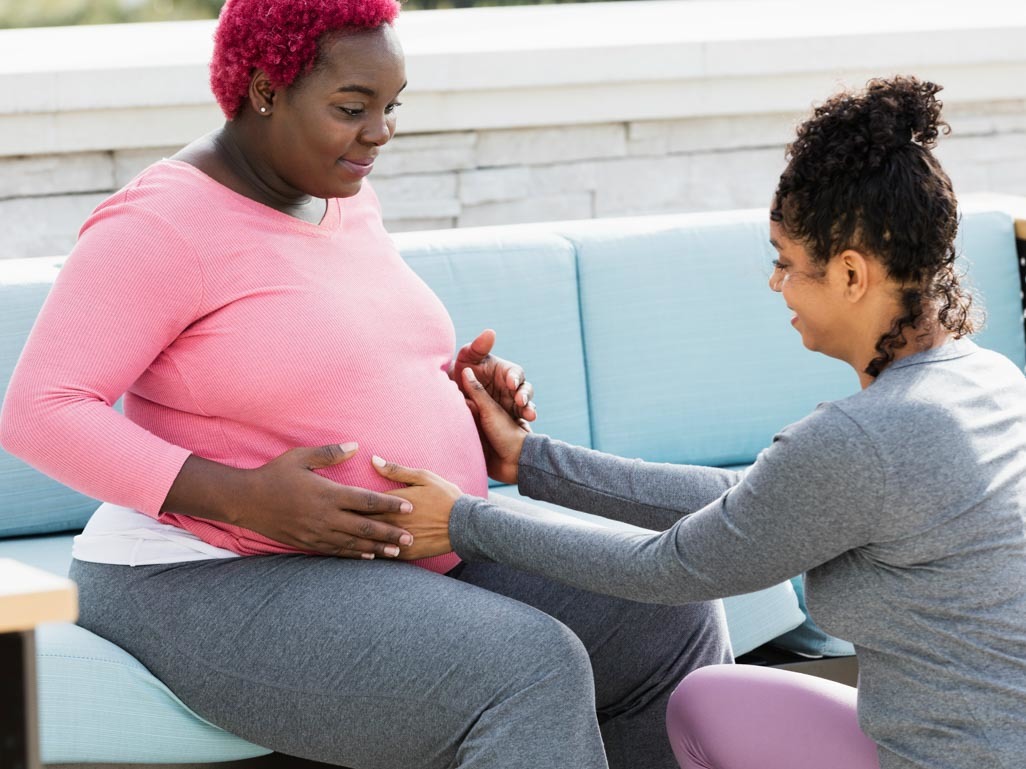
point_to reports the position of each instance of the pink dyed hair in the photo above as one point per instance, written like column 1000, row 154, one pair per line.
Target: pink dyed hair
column 281, row 37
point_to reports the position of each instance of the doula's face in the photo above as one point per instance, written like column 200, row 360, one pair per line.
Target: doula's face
column 329, row 126
column 810, row 292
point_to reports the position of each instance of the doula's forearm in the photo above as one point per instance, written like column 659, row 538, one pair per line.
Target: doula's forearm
column 803, row 503
column 637, row 566
column 646, row 494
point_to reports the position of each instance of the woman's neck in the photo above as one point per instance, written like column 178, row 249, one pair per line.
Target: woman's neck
column 230, row 156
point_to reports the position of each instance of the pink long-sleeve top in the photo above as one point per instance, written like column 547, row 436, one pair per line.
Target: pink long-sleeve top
column 235, row 332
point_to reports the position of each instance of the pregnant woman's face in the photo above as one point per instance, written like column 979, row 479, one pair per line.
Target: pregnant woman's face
column 330, row 124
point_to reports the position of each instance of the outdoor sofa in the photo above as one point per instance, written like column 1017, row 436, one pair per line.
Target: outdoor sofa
column 652, row 337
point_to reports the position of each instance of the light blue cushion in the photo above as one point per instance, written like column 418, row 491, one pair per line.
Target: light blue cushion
column 30, row 503
column 986, row 243
column 523, row 285
column 691, row 358
column 809, row 638
column 98, row 704
column 51, row 552
column 752, row 619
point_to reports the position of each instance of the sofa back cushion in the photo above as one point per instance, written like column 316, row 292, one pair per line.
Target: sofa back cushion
column 987, row 247
column 30, row 502
column 522, row 282
column 691, row 357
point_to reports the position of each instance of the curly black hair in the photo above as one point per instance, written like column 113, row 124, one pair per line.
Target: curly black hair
column 861, row 175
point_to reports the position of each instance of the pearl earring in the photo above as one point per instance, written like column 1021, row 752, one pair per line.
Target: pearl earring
column 263, row 110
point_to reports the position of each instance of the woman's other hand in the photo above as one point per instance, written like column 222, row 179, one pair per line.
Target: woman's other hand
column 298, row 507
column 432, row 498
column 502, row 437
column 503, row 380
column 285, row 500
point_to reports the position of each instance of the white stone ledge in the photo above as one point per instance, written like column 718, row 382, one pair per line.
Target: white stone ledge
column 121, row 86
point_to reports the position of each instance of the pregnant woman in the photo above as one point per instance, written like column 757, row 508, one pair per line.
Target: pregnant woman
column 268, row 339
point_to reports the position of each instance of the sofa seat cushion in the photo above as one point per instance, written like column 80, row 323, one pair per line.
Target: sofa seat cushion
column 50, row 552
column 98, row 704
column 752, row 619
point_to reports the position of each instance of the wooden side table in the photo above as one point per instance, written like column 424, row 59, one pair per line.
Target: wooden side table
column 28, row 597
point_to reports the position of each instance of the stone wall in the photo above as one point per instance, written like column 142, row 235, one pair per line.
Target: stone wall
column 472, row 178
column 514, row 115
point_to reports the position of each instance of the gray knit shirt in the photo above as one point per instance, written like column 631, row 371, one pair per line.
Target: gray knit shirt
column 906, row 505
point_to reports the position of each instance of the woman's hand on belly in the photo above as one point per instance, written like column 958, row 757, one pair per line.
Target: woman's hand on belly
column 432, row 498
column 300, row 508
column 285, row 500
column 503, row 380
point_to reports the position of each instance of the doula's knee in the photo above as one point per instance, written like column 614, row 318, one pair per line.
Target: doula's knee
column 693, row 715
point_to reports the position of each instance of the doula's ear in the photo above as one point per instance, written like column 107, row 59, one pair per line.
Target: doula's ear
column 856, row 270
column 261, row 93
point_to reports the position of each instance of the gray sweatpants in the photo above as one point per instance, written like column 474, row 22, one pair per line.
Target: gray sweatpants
column 373, row 664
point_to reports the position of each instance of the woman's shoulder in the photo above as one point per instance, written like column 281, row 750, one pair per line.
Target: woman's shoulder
column 168, row 189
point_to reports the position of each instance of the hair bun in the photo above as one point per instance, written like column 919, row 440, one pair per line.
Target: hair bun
column 860, row 130
column 903, row 110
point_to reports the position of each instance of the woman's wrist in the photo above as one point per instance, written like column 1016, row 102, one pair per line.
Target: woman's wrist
column 207, row 489
column 518, row 454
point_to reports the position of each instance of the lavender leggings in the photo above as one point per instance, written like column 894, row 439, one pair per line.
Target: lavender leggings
column 738, row 716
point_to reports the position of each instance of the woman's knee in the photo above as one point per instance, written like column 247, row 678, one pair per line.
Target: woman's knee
column 709, row 643
column 543, row 648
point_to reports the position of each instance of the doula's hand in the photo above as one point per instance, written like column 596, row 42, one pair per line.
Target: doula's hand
column 432, row 498
column 290, row 503
column 503, row 380
column 502, row 437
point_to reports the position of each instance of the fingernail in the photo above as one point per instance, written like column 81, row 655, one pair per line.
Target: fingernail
column 406, row 540
column 391, row 550
column 347, row 447
column 367, row 556
column 533, row 407
column 405, row 507
column 469, row 374
column 377, row 461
